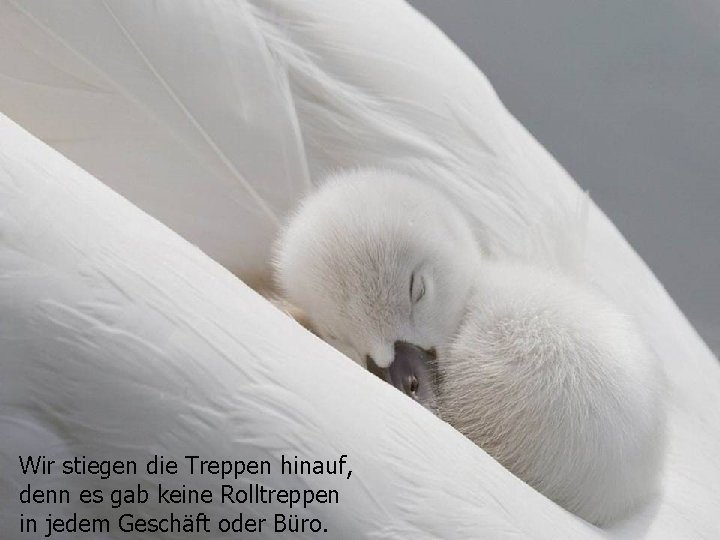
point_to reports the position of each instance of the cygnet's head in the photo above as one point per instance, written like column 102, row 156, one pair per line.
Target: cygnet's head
column 382, row 264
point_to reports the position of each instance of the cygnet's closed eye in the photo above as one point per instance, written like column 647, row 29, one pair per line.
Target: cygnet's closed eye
column 417, row 288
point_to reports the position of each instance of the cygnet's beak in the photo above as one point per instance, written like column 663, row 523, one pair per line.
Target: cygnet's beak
column 412, row 371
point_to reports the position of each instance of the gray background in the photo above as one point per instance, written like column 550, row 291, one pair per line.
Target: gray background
column 626, row 95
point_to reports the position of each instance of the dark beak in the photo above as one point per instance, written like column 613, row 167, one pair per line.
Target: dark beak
column 413, row 371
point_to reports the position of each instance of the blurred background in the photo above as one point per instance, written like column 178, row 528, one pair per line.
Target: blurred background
column 626, row 95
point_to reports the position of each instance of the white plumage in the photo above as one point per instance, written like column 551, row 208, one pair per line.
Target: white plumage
column 540, row 371
column 211, row 116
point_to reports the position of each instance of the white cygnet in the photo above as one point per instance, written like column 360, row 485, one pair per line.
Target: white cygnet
column 540, row 371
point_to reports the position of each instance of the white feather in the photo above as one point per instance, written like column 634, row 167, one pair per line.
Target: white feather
column 182, row 110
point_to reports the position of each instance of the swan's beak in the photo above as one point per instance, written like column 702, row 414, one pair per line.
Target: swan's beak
column 412, row 371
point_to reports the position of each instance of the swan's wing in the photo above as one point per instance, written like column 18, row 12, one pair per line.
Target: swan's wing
column 179, row 106
column 200, row 112
column 120, row 340
column 374, row 83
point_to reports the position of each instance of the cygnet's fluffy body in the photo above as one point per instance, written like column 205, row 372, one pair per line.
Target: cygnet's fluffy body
column 541, row 372
column 555, row 383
